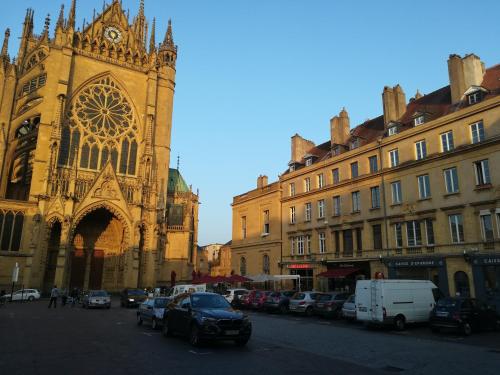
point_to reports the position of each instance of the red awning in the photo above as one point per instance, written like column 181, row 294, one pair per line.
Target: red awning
column 338, row 273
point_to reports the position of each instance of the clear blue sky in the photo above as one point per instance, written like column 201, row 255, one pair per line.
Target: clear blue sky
column 251, row 73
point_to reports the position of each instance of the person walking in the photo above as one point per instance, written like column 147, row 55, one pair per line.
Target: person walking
column 74, row 297
column 54, row 293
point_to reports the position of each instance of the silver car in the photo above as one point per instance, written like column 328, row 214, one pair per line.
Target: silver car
column 152, row 311
column 302, row 302
column 96, row 298
column 349, row 308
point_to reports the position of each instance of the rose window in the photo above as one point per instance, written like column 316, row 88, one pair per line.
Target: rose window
column 100, row 127
column 103, row 110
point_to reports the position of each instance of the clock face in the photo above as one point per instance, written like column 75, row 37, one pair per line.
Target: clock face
column 113, row 34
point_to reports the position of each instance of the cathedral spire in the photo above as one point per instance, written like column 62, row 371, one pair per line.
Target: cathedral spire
column 60, row 20
column 169, row 38
column 47, row 25
column 72, row 14
column 140, row 27
column 152, row 40
column 5, row 46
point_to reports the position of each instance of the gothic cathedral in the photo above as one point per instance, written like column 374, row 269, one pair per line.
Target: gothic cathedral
column 87, row 198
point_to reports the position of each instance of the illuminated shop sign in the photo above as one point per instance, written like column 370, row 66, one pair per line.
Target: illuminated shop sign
column 300, row 266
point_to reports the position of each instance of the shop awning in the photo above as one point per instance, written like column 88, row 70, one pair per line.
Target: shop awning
column 338, row 273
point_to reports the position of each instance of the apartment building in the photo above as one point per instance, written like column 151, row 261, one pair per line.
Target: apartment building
column 412, row 193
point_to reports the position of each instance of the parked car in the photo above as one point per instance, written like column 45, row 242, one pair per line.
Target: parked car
column 349, row 308
column 96, row 298
column 465, row 315
column 247, row 299
column 132, row 297
column 23, row 295
column 259, row 299
column 278, row 301
column 207, row 317
column 302, row 302
column 152, row 311
column 231, row 294
column 395, row 302
column 329, row 305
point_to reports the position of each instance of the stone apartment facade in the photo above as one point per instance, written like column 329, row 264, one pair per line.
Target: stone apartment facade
column 86, row 118
column 412, row 193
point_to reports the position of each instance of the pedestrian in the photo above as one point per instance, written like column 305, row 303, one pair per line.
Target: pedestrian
column 54, row 293
column 74, row 297
column 64, row 297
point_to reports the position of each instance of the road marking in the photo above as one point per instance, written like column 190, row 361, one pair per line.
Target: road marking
column 118, row 323
column 199, row 353
column 147, row 334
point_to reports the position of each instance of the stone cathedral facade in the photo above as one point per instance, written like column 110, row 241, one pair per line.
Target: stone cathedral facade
column 85, row 120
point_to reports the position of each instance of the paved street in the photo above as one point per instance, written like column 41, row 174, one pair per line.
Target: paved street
column 36, row 340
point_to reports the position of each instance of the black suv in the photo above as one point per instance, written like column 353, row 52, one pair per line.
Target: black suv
column 206, row 317
column 463, row 314
column 132, row 297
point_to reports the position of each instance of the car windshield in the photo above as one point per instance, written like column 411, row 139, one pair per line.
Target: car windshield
column 324, row 297
column 447, row 303
column 136, row 292
column 98, row 293
column 161, row 302
column 299, row 296
column 209, row 301
column 351, row 298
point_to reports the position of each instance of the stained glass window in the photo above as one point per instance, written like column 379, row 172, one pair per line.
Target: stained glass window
column 104, row 156
column 124, row 156
column 94, row 156
column 133, row 157
column 84, row 158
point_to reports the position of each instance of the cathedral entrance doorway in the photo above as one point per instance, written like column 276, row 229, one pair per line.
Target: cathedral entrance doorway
column 97, row 256
column 51, row 257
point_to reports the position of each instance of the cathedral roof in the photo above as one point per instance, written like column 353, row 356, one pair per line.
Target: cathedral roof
column 176, row 183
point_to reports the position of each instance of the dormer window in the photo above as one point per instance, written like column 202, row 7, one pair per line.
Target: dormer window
column 336, row 151
column 354, row 143
column 419, row 120
column 475, row 97
column 309, row 162
column 292, row 167
column 392, row 130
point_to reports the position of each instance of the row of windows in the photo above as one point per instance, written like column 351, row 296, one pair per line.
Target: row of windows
column 481, row 170
column 266, row 228
column 33, row 84
column 266, row 265
column 418, row 233
column 447, row 144
column 11, row 228
column 94, row 157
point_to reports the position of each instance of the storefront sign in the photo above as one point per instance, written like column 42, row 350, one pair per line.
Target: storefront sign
column 300, row 266
column 487, row 261
column 416, row 263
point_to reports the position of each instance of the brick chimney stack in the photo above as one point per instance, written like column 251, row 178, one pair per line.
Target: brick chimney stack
column 261, row 181
column 340, row 128
column 300, row 146
column 394, row 102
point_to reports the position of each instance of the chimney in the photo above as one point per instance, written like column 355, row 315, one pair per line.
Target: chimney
column 300, row 146
column 339, row 128
column 261, row 181
column 464, row 73
column 394, row 102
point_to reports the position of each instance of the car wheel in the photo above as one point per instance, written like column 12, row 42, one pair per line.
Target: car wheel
column 139, row 320
column 283, row 309
column 466, row 329
column 194, row 336
column 242, row 342
column 31, row 298
column 309, row 311
column 399, row 322
column 154, row 324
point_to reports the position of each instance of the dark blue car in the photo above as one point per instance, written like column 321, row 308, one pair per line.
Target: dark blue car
column 207, row 317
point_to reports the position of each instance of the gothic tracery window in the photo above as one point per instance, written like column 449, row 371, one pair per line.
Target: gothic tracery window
column 23, row 156
column 100, row 126
column 11, row 226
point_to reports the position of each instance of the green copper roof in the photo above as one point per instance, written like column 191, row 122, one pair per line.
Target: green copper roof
column 176, row 183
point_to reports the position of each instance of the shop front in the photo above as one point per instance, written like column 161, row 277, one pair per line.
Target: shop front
column 342, row 276
column 486, row 273
column 428, row 268
column 306, row 273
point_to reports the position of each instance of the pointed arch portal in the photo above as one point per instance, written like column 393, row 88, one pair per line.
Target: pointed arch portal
column 97, row 252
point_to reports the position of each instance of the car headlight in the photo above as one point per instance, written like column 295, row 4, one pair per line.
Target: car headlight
column 131, row 300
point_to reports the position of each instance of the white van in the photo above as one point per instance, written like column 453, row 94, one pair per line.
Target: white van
column 395, row 302
column 184, row 288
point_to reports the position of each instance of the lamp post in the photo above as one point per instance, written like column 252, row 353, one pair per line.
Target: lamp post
column 15, row 277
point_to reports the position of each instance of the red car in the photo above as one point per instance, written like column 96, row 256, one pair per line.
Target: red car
column 259, row 299
column 247, row 299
